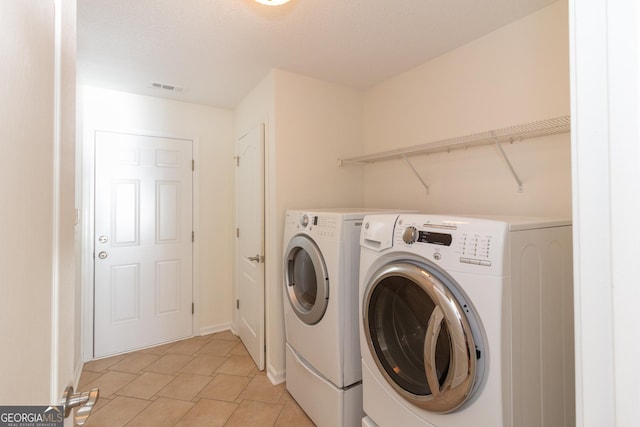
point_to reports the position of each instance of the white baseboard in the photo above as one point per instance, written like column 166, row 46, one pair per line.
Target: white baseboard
column 212, row 329
column 77, row 373
column 276, row 376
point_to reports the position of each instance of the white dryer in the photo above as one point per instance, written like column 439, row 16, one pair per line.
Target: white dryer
column 466, row 321
column 321, row 260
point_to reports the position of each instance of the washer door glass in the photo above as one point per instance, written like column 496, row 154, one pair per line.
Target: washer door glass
column 306, row 280
column 420, row 336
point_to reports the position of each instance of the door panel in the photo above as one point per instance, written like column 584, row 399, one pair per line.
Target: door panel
column 168, row 211
column 126, row 288
column 250, row 243
column 126, row 224
column 143, row 245
column 167, row 289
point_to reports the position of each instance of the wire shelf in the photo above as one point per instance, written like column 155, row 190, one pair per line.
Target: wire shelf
column 521, row 132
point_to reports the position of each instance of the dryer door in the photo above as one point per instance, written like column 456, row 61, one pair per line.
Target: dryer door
column 424, row 339
column 306, row 279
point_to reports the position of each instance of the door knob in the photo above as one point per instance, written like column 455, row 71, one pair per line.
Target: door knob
column 103, row 255
column 256, row 258
column 84, row 401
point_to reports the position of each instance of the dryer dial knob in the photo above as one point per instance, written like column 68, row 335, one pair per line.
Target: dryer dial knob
column 304, row 221
column 410, row 235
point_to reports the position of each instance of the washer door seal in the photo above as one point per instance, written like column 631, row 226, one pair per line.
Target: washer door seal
column 421, row 335
column 306, row 279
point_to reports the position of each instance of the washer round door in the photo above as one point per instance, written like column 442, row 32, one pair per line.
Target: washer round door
column 425, row 339
column 306, row 280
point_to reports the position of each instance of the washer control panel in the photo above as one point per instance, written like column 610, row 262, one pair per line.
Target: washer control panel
column 451, row 240
column 475, row 248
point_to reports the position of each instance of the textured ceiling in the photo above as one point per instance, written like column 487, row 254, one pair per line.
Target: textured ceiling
column 218, row 50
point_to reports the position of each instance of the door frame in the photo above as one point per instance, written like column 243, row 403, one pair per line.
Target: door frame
column 86, row 158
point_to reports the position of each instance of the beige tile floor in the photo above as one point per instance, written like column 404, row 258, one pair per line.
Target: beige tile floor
column 202, row 381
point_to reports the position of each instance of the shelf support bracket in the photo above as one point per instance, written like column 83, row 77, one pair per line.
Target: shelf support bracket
column 415, row 172
column 513, row 171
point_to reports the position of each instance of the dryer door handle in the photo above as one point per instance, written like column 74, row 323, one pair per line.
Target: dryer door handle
column 430, row 341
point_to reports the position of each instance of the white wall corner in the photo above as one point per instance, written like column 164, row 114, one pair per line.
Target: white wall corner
column 276, row 376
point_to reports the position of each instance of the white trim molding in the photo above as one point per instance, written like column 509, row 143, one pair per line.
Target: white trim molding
column 214, row 329
column 605, row 95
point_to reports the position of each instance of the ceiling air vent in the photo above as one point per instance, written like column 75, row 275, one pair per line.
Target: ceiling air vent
column 165, row 86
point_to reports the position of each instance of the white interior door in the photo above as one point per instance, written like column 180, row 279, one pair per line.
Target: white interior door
column 250, row 243
column 143, row 241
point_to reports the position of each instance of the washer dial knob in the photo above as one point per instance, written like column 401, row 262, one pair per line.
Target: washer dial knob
column 304, row 221
column 410, row 235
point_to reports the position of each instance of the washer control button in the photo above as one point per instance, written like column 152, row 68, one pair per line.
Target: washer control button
column 410, row 235
column 437, row 256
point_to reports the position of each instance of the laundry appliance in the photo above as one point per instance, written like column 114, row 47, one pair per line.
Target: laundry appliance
column 323, row 368
column 466, row 321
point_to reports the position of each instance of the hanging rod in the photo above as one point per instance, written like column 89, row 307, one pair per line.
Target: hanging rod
column 537, row 129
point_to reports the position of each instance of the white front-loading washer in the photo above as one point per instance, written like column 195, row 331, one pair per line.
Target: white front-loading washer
column 466, row 321
column 323, row 368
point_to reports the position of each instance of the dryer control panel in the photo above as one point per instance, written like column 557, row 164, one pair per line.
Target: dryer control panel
column 316, row 224
column 454, row 241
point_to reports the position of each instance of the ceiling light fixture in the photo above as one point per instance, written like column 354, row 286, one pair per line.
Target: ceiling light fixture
column 273, row 2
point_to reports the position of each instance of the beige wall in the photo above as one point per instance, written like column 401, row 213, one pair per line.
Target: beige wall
column 212, row 128
column 37, row 308
column 26, row 257
column 316, row 123
column 517, row 74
